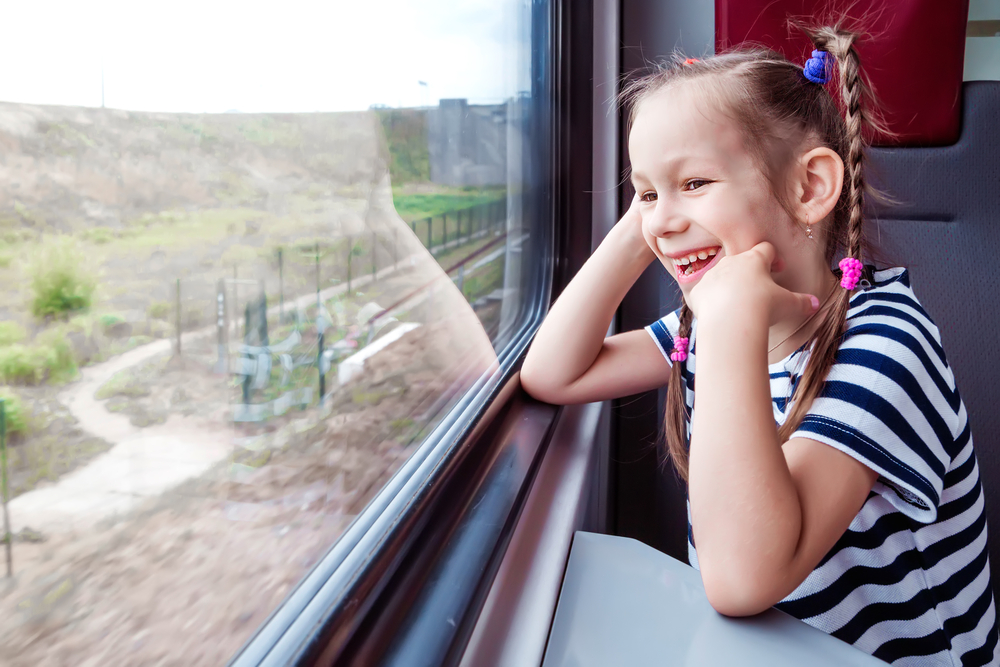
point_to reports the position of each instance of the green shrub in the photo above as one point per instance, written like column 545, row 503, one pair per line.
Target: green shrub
column 107, row 321
column 159, row 310
column 62, row 368
column 24, row 364
column 49, row 358
column 11, row 332
column 14, row 412
column 60, row 283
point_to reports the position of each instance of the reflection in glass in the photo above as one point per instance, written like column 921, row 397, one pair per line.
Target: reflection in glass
column 222, row 333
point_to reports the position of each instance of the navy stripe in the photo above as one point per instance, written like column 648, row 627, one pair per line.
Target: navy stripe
column 663, row 337
column 958, row 625
column 899, row 374
column 823, row 601
column 896, row 313
column 871, row 450
column 983, row 656
column 887, row 297
column 956, row 475
column 903, row 647
column 885, row 527
column 888, row 414
column 904, row 338
column 956, row 506
column 863, row 575
column 913, row 608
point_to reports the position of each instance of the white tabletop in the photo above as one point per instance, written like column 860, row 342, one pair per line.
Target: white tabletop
column 624, row 603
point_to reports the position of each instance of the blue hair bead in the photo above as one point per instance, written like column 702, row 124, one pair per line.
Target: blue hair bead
column 815, row 69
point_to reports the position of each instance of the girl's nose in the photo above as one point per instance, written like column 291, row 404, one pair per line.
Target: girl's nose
column 665, row 220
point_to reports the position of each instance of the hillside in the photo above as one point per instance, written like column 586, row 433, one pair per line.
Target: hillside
column 71, row 168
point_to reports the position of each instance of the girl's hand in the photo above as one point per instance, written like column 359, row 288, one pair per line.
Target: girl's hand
column 628, row 233
column 742, row 286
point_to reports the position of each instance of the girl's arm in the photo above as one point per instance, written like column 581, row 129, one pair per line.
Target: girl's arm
column 570, row 360
column 762, row 515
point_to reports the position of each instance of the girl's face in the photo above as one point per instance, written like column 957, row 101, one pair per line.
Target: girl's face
column 701, row 195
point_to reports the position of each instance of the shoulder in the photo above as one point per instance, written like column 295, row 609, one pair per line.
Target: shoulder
column 889, row 302
column 888, row 329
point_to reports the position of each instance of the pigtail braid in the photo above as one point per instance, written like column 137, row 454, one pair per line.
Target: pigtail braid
column 675, row 420
column 853, row 91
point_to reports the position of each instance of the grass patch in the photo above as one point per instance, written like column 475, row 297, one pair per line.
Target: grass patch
column 14, row 412
column 160, row 310
column 487, row 279
column 123, row 383
column 11, row 332
column 25, row 364
column 60, row 283
column 406, row 135
column 416, row 205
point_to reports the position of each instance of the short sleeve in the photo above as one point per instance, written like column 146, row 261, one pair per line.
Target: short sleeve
column 663, row 331
column 890, row 402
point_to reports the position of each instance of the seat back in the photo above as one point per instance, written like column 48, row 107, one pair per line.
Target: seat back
column 946, row 230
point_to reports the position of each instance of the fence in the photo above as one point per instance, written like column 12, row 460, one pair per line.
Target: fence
column 453, row 227
column 284, row 319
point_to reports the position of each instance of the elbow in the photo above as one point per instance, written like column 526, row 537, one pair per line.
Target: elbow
column 533, row 382
column 739, row 595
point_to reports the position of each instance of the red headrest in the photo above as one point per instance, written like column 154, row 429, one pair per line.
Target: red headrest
column 914, row 56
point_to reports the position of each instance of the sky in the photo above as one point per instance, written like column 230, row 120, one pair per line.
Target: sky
column 289, row 56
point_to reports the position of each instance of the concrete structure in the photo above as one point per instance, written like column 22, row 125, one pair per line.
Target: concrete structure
column 467, row 143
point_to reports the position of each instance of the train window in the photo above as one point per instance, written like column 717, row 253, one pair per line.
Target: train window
column 982, row 42
column 254, row 264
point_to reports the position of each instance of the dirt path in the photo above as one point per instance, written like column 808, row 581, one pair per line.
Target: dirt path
column 143, row 462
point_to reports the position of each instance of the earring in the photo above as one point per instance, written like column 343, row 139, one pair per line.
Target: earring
column 809, row 230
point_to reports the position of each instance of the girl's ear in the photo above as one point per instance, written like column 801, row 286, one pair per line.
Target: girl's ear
column 819, row 178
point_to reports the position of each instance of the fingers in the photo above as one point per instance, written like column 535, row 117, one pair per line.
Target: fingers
column 794, row 304
column 765, row 250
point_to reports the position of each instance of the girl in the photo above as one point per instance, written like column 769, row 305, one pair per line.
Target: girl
column 829, row 463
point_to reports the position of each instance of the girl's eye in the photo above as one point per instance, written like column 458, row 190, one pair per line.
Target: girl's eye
column 648, row 196
column 695, row 183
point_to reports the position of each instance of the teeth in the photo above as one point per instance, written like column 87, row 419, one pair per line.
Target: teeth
column 692, row 258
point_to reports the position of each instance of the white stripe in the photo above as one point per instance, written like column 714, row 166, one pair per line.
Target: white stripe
column 914, row 582
column 969, row 641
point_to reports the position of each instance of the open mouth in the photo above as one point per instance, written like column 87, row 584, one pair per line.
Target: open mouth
column 694, row 263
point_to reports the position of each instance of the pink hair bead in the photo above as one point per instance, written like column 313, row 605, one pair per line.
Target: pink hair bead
column 850, row 272
column 680, row 352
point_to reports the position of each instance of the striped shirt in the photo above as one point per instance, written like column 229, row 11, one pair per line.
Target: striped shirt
column 909, row 582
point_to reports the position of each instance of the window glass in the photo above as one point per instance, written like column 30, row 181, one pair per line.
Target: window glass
column 250, row 256
column 982, row 41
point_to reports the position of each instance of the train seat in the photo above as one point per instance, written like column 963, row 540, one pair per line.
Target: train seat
column 945, row 229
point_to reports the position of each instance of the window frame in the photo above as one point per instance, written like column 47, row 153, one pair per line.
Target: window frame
column 348, row 602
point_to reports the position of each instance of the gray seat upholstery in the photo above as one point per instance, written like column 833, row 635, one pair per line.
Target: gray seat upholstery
column 946, row 229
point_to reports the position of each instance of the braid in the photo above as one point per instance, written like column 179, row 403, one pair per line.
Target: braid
column 841, row 45
column 675, row 426
column 853, row 90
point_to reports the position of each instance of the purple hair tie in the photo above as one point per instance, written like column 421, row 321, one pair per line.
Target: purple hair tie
column 815, row 69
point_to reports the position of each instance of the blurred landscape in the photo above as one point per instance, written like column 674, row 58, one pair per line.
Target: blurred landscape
column 162, row 274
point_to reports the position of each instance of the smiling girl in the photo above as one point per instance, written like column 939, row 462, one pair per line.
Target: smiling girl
column 829, row 462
